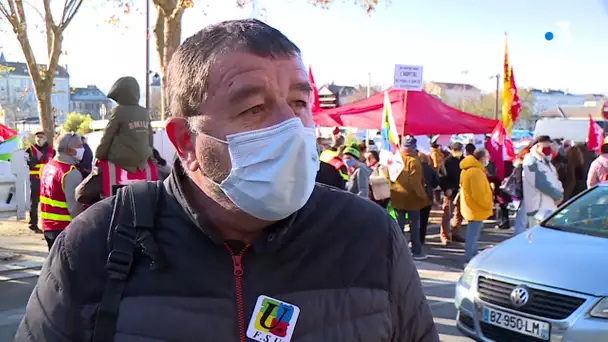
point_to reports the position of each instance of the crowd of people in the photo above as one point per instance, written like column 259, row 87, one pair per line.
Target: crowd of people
column 463, row 181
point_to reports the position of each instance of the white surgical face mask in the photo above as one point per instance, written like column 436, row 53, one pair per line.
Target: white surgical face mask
column 40, row 141
column 273, row 169
column 79, row 153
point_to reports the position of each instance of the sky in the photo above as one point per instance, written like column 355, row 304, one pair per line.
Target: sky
column 455, row 41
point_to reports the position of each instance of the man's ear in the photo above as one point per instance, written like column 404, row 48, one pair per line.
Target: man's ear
column 180, row 136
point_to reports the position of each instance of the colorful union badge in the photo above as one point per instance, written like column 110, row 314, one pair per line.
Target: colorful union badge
column 272, row 320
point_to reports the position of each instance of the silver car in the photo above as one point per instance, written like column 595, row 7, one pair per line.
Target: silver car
column 549, row 283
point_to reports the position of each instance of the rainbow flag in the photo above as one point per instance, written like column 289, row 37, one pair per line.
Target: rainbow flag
column 390, row 156
column 388, row 130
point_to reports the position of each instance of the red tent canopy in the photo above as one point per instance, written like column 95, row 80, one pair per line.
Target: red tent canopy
column 425, row 115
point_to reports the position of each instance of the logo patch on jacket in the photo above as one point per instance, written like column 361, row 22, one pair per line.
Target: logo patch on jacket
column 272, row 320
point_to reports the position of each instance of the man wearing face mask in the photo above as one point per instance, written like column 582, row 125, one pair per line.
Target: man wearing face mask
column 59, row 179
column 38, row 155
column 476, row 201
column 543, row 191
column 238, row 244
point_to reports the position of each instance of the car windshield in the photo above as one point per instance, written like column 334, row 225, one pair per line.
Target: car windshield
column 587, row 214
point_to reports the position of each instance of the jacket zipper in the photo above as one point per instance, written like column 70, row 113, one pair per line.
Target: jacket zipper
column 237, row 266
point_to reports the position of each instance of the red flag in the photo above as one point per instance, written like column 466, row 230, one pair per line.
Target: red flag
column 515, row 106
column 315, row 104
column 6, row 133
column 595, row 136
column 496, row 148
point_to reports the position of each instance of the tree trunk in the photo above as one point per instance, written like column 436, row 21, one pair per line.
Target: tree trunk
column 45, row 108
column 171, row 39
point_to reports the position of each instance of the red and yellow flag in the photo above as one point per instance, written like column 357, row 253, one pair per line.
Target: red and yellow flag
column 510, row 99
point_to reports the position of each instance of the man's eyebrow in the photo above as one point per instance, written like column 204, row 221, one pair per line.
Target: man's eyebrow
column 301, row 86
column 245, row 92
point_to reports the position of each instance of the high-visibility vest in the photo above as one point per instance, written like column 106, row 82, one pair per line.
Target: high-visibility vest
column 338, row 164
column 53, row 205
column 112, row 175
column 42, row 159
column 328, row 155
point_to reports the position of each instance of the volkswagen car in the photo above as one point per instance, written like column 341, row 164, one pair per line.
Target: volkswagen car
column 549, row 283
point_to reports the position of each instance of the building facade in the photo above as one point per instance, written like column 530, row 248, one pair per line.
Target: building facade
column 91, row 101
column 17, row 96
column 453, row 93
column 331, row 95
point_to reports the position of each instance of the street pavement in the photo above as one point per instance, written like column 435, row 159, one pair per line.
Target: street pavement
column 439, row 274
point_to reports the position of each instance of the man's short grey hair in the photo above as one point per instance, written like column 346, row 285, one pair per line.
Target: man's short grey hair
column 68, row 140
column 480, row 153
column 188, row 71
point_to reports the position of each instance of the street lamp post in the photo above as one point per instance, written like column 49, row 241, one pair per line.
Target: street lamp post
column 148, row 55
column 497, row 76
column 103, row 111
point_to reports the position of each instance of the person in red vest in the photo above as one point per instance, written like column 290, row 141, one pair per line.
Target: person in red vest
column 38, row 154
column 58, row 181
column 106, row 177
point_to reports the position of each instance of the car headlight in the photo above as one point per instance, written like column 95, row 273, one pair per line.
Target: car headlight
column 467, row 276
column 600, row 310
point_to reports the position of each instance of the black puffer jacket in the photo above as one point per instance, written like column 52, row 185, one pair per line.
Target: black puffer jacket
column 340, row 259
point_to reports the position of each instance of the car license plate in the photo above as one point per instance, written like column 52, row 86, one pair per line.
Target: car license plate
column 522, row 325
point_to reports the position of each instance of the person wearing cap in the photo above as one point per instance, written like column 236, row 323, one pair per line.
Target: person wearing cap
column 542, row 189
column 38, row 154
column 408, row 195
column 358, row 172
column 59, row 179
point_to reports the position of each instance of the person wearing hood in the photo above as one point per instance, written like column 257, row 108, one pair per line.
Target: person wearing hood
column 38, row 155
column 127, row 141
column 59, row 179
column 598, row 171
column 475, row 198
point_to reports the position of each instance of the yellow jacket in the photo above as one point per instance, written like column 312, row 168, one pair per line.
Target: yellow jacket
column 407, row 192
column 476, row 202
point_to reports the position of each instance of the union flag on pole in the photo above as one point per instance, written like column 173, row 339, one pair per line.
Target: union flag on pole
column 389, row 151
column 315, row 103
column 595, row 136
column 510, row 99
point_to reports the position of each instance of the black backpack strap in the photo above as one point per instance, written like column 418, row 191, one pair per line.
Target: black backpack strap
column 132, row 220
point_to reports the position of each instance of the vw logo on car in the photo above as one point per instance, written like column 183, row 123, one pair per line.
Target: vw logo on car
column 519, row 296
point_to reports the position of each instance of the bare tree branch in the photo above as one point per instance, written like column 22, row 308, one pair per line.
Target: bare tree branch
column 69, row 13
column 6, row 13
column 49, row 23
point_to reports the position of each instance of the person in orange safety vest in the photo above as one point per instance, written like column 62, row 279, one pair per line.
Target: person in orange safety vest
column 38, row 154
column 58, row 181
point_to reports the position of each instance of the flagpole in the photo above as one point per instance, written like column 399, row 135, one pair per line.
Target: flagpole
column 369, row 91
column 404, row 113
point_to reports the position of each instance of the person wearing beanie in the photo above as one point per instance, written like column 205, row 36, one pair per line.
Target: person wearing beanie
column 358, row 179
column 408, row 195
